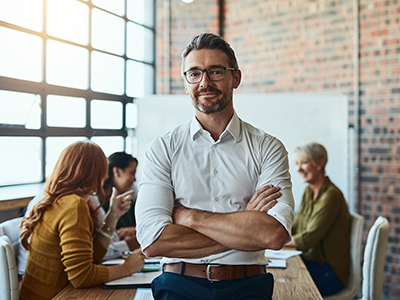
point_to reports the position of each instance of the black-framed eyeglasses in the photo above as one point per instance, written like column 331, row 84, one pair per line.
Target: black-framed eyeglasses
column 213, row 73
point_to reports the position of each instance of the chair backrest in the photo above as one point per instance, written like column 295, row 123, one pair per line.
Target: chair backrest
column 374, row 259
column 10, row 228
column 354, row 277
column 9, row 284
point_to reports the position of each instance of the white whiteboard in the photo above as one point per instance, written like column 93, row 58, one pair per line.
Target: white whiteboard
column 293, row 118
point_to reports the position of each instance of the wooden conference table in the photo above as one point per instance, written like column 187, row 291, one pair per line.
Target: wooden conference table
column 294, row 283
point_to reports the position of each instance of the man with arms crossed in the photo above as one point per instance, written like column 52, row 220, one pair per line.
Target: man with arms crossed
column 207, row 200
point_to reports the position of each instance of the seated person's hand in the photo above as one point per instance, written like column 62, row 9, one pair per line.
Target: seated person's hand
column 126, row 232
column 132, row 243
column 120, row 204
column 135, row 262
column 264, row 198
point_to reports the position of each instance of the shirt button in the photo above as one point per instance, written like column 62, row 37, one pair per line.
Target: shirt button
column 215, row 171
column 216, row 199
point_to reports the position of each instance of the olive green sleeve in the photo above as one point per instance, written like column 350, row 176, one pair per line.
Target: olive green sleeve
column 324, row 213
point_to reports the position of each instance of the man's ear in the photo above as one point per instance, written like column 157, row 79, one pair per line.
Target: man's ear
column 237, row 78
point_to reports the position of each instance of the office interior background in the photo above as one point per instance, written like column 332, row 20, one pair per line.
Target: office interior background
column 122, row 50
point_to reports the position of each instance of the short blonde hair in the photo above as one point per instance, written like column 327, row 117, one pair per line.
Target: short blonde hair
column 313, row 151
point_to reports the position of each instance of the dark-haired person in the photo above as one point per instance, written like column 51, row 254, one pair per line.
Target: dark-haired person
column 62, row 234
column 321, row 228
column 121, row 176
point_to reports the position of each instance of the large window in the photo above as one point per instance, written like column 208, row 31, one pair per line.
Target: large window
column 70, row 70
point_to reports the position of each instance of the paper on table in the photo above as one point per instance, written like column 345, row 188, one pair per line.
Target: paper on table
column 135, row 279
column 112, row 262
column 282, row 254
column 277, row 263
column 119, row 261
column 152, row 260
column 143, row 294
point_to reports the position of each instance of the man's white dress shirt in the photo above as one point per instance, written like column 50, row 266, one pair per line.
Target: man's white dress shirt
column 187, row 167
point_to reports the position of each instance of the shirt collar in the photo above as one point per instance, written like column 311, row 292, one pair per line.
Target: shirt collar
column 233, row 128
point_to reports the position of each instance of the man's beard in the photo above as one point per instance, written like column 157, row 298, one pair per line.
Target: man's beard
column 222, row 101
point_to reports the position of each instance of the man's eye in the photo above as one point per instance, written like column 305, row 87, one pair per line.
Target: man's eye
column 215, row 71
column 194, row 74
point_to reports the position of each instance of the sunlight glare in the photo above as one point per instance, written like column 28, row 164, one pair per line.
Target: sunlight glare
column 68, row 20
column 25, row 13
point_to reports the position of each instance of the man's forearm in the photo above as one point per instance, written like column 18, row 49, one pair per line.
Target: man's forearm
column 183, row 242
column 244, row 231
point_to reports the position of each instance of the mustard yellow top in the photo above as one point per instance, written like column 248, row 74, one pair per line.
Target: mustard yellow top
column 321, row 229
column 63, row 250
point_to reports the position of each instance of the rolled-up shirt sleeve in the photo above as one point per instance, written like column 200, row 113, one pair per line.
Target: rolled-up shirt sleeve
column 275, row 171
column 155, row 201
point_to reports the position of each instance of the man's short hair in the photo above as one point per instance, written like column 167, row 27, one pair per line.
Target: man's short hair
column 210, row 41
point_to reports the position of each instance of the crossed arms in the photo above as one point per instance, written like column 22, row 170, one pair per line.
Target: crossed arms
column 175, row 172
column 196, row 233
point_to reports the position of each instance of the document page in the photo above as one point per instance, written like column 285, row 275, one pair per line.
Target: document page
column 282, row 254
column 143, row 294
column 276, row 263
column 134, row 280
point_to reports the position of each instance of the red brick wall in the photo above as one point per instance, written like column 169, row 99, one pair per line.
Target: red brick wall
column 308, row 46
column 185, row 21
column 380, row 126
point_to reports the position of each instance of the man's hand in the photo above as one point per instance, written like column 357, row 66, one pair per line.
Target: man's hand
column 264, row 198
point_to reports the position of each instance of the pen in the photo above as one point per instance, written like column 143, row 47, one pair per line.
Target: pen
column 125, row 254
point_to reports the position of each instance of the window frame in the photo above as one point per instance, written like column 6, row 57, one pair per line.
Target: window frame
column 44, row 89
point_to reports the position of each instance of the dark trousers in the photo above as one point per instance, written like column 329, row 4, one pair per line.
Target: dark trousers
column 325, row 279
column 169, row 286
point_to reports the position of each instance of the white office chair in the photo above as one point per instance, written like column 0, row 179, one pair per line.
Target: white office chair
column 374, row 259
column 10, row 228
column 354, row 277
column 9, row 285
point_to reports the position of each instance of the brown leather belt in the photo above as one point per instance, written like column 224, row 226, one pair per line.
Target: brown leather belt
column 215, row 272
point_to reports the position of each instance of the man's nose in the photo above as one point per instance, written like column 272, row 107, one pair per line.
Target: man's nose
column 205, row 81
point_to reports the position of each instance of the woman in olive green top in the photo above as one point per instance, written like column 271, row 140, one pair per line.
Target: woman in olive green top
column 321, row 228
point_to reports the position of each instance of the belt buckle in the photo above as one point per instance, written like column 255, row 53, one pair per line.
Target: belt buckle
column 209, row 272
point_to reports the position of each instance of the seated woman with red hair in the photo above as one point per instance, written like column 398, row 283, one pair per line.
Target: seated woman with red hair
column 66, row 244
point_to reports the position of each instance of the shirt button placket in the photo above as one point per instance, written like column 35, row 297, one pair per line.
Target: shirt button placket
column 215, row 172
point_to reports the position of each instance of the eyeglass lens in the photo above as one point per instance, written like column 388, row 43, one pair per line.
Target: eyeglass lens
column 214, row 74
